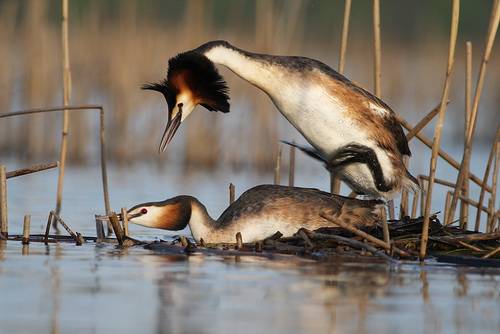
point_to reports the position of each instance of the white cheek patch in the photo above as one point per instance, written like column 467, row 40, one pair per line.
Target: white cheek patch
column 149, row 219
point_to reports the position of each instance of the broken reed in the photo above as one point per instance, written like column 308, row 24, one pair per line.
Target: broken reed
column 26, row 229
column 102, row 139
column 124, row 217
column 439, row 126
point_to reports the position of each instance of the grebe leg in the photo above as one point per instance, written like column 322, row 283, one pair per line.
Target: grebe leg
column 355, row 153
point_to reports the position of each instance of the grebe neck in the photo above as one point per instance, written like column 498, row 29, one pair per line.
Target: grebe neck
column 248, row 66
column 200, row 222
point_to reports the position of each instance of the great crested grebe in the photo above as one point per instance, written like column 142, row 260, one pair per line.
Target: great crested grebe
column 258, row 213
column 354, row 131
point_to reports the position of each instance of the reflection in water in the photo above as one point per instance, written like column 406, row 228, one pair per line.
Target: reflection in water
column 101, row 289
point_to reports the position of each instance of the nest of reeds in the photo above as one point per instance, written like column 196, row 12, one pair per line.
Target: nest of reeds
column 446, row 244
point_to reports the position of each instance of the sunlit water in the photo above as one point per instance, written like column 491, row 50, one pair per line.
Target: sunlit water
column 101, row 289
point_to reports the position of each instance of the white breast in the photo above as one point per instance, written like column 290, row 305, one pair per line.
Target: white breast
column 321, row 118
column 324, row 122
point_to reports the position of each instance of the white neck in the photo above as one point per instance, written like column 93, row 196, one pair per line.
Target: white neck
column 255, row 71
column 200, row 223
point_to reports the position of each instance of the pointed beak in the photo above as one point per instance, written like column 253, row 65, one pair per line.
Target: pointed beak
column 172, row 126
column 119, row 216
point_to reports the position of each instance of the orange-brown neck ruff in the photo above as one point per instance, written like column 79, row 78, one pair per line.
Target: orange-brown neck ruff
column 175, row 216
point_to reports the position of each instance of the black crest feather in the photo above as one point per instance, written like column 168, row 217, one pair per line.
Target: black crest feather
column 202, row 78
column 197, row 73
column 164, row 88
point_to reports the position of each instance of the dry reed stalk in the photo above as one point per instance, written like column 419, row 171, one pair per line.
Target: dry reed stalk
column 493, row 252
column 414, row 205
column 125, row 221
column 469, row 246
column 385, row 226
column 350, row 242
column 473, row 237
column 184, row 241
column 364, row 235
column 231, row 193
column 307, row 242
column 447, row 205
column 291, row 167
column 403, row 208
column 423, row 122
column 99, row 228
column 442, row 154
column 439, row 126
column 377, row 69
column 66, row 95
column 422, row 195
column 102, row 140
column 32, row 169
column 377, row 49
column 277, row 168
column 26, row 230
column 4, row 223
column 485, row 178
column 345, row 35
column 67, row 228
column 390, row 206
column 476, row 205
column 488, row 214
column 464, row 207
column 113, row 218
column 335, row 182
column 490, row 39
column 239, row 241
column 438, row 181
column 47, row 227
column 493, row 197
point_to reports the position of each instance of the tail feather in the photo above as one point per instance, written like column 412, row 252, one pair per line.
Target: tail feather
column 310, row 151
column 411, row 183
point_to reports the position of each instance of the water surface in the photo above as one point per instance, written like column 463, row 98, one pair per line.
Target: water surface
column 62, row 288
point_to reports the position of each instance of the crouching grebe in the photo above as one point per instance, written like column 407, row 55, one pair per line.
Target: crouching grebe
column 258, row 213
column 356, row 132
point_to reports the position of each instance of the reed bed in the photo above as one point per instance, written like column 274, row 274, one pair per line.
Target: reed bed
column 97, row 42
column 408, row 237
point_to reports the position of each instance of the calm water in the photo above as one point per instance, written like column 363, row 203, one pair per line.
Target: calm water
column 101, row 289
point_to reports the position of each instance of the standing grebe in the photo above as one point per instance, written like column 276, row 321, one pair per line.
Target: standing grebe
column 258, row 213
column 356, row 132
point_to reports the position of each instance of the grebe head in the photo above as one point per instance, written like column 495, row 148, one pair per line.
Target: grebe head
column 172, row 214
column 192, row 79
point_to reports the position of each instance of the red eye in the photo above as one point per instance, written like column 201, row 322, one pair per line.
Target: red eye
column 144, row 211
